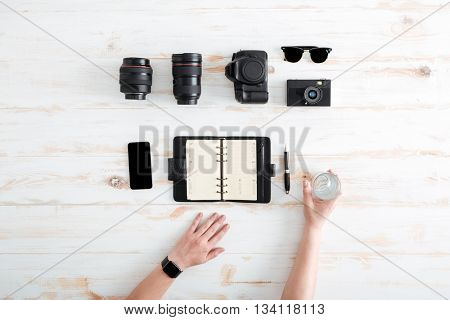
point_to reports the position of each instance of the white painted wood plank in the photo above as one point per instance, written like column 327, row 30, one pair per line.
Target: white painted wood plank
column 154, row 229
column 109, row 276
column 416, row 181
column 384, row 132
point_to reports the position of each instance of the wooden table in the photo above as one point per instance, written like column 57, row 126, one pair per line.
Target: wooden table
column 64, row 195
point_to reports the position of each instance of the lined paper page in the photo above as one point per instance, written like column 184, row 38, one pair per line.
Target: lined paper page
column 202, row 169
column 240, row 170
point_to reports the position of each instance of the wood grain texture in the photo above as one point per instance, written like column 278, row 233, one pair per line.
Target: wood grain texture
column 65, row 126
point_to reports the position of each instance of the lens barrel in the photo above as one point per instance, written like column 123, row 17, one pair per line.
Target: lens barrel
column 136, row 78
column 187, row 72
column 313, row 95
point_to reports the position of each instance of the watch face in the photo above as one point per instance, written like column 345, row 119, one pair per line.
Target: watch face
column 170, row 268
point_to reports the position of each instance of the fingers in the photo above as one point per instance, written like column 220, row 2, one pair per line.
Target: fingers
column 195, row 223
column 307, row 196
column 218, row 223
column 219, row 235
column 214, row 253
column 340, row 192
column 205, row 226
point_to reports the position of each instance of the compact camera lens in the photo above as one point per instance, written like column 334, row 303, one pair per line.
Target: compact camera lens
column 135, row 78
column 313, row 95
column 187, row 72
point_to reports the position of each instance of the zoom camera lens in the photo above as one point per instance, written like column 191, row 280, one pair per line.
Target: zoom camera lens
column 313, row 95
column 187, row 72
column 136, row 78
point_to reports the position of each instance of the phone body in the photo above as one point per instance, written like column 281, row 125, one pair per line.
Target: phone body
column 140, row 165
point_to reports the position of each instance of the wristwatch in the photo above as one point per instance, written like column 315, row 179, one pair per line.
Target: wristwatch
column 170, row 268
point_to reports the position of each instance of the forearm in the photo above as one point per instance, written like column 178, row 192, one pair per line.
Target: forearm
column 153, row 286
column 196, row 246
column 302, row 279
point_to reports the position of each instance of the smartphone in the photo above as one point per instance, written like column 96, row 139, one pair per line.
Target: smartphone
column 140, row 165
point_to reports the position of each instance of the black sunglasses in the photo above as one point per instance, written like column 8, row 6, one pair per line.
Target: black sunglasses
column 295, row 53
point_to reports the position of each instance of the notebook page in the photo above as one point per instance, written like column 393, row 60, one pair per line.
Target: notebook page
column 202, row 169
column 240, row 170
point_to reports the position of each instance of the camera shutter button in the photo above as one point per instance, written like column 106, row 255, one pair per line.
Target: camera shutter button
column 253, row 71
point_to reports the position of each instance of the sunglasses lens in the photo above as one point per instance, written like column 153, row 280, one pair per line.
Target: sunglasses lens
column 292, row 54
column 319, row 55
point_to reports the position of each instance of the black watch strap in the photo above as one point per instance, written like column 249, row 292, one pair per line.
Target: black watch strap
column 170, row 268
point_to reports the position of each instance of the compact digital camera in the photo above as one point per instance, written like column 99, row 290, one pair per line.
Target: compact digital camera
column 309, row 93
column 248, row 71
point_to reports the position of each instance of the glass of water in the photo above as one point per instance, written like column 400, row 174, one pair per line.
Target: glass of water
column 326, row 186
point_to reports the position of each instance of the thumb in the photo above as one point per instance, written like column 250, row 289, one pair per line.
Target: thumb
column 214, row 253
column 307, row 196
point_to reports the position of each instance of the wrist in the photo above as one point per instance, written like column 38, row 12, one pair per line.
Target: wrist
column 170, row 268
column 313, row 229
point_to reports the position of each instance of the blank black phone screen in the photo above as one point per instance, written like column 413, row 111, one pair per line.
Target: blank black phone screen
column 140, row 165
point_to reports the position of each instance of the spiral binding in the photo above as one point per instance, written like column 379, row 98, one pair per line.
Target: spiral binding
column 221, row 154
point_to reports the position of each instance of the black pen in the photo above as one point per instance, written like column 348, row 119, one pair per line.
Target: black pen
column 287, row 175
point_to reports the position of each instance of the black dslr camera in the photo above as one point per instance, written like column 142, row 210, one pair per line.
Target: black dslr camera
column 248, row 71
column 309, row 93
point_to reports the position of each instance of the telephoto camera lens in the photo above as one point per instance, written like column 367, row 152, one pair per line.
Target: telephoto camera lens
column 187, row 72
column 136, row 78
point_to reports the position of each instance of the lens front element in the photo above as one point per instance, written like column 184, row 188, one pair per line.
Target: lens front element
column 313, row 95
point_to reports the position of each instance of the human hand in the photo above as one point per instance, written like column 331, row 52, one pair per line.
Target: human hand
column 316, row 211
column 197, row 244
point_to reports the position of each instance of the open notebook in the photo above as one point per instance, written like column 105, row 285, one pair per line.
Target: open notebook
column 221, row 169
